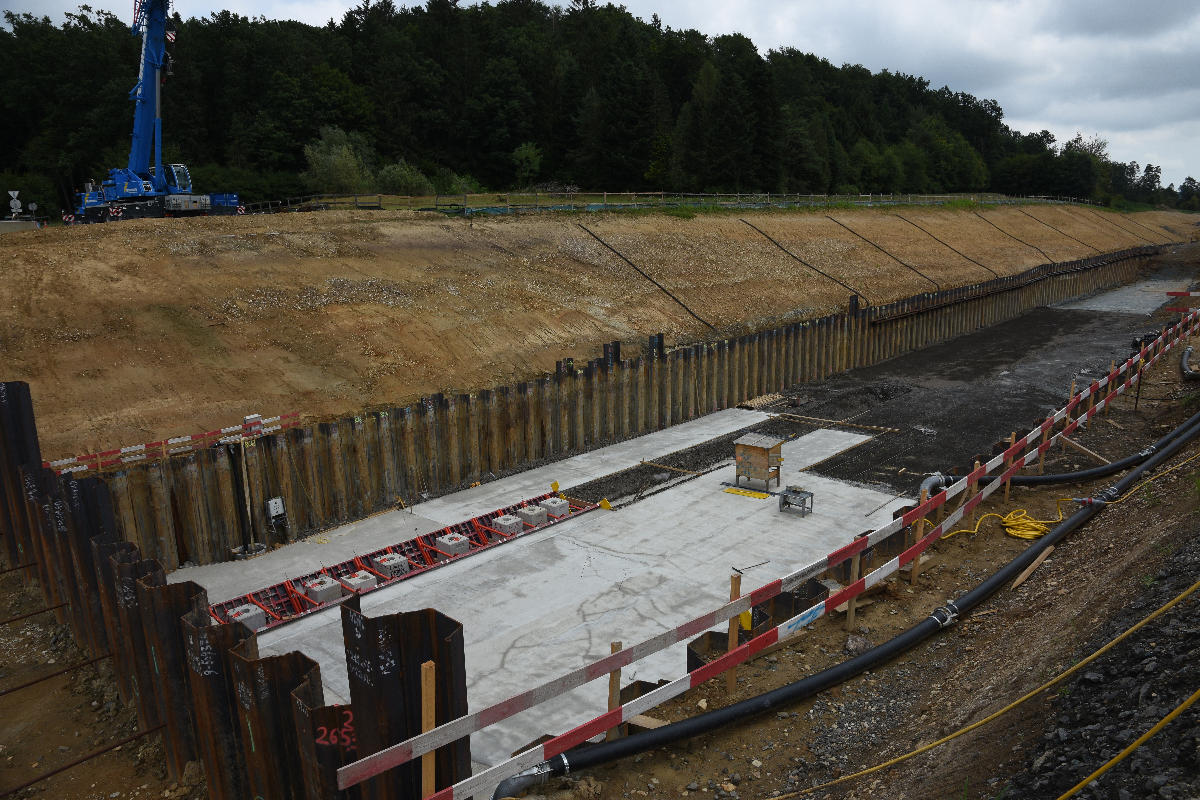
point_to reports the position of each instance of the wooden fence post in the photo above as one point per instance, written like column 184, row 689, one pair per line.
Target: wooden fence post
column 1008, row 460
column 614, row 694
column 428, row 722
column 852, row 602
column 735, row 591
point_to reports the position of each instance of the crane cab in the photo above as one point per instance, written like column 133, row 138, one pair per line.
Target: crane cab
column 179, row 180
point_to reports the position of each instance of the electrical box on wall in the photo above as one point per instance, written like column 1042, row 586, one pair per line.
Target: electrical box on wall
column 275, row 507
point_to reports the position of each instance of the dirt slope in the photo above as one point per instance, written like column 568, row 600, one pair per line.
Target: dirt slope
column 151, row 328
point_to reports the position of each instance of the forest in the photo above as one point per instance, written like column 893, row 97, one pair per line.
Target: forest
column 450, row 97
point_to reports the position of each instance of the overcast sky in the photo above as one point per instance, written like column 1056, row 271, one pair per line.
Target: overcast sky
column 1127, row 71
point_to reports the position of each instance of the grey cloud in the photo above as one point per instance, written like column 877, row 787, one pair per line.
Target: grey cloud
column 1118, row 18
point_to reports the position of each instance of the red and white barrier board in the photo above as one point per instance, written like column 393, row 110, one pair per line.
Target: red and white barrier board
column 251, row 428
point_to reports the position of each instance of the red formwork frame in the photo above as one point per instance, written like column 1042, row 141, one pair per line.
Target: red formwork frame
column 284, row 602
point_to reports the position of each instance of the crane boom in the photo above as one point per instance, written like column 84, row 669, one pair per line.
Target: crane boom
column 150, row 20
column 145, row 187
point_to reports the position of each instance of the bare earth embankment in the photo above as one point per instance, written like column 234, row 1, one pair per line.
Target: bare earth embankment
column 135, row 331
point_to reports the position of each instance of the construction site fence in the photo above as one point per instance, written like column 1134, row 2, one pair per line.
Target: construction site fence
column 525, row 201
column 210, row 504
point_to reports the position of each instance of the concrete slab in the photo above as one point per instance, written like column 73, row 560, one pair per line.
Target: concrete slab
column 231, row 579
column 1142, row 297
column 547, row 603
column 586, row 466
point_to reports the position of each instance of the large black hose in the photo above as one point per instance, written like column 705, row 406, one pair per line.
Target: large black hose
column 595, row 755
column 1185, row 366
column 1092, row 473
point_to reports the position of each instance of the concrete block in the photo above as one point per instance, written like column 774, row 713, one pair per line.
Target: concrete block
column 249, row 615
column 391, row 564
column 507, row 524
column 534, row 515
column 323, row 589
column 452, row 543
column 360, row 580
column 556, row 507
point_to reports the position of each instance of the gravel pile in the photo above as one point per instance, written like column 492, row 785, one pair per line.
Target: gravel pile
column 1124, row 694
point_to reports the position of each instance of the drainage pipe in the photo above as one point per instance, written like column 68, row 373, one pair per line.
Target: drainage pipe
column 1094, row 472
column 934, row 483
column 942, row 617
column 1185, row 366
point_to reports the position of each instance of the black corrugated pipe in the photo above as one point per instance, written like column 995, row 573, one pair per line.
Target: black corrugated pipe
column 1185, row 366
column 1094, row 472
column 595, row 755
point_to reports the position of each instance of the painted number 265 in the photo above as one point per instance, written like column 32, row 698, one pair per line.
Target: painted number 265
column 343, row 736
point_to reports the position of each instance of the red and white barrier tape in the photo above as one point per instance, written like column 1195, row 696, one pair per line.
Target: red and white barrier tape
column 1183, row 294
column 444, row 734
column 253, row 427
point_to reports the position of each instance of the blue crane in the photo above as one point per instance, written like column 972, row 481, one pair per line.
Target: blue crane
column 146, row 187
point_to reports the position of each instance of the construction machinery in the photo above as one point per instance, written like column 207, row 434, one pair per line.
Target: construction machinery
column 146, row 187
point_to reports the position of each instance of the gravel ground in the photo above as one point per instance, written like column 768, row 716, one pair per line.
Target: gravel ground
column 1124, row 694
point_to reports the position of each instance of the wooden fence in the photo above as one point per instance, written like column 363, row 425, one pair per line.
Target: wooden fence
column 197, row 506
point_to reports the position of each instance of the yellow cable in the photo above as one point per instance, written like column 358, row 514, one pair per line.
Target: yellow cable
column 961, row 731
column 1130, row 493
column 1119, row 757
column 1018, row 523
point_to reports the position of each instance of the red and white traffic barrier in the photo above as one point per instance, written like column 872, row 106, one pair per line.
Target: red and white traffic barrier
column 403, row 752
column 251, row 428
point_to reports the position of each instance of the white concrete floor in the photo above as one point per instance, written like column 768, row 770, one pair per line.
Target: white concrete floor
column 548, row 603
column 1141, row 297
column 587, row 466
column 227, row 580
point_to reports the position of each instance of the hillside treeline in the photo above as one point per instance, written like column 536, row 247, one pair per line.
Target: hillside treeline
column 452, row 97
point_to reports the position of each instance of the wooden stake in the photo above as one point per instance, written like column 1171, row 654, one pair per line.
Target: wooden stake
column 915, row 564
column 1029, row 570
column 1067, row 422
column 1112, row 367
column 1042, row 451
column 1012, row 439
column 1137, row 397
column 428, row 723
column 614, row 694
column 972, row 487
column 852, row 603
column 735, row 591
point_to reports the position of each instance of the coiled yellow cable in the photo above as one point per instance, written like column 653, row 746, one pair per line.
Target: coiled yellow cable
column 1019, row 523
